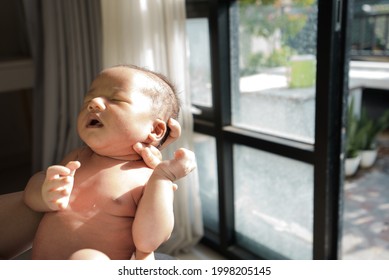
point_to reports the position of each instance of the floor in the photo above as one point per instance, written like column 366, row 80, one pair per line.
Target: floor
column 366, row 210
column 200, row 252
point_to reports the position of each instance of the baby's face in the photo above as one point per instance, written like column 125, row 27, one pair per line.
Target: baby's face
column 116, row 113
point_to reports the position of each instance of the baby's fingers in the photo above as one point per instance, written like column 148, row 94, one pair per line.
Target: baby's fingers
column 59, row 204
column 187, row 158
column 57, row 171
column 56, row 192
column 62, row 203
column 150, row 154
column 183, row 163
column 62, row 187
column 58, row 200
column 73, row 166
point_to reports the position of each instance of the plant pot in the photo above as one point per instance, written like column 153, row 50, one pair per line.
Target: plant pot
column 351, row 165
column 368, row 158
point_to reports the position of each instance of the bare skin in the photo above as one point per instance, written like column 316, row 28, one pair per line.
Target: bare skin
column 20, row 227
column 103, row 197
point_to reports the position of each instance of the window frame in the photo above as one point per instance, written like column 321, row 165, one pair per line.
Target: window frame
column 324, row 154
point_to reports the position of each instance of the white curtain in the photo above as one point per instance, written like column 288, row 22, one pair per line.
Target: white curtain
column 151, row 34
column 65, row 40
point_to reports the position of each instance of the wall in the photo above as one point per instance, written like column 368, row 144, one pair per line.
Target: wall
column 16, row 81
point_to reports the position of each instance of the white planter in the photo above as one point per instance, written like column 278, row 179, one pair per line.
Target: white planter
column 351, row 165
column 368, row 158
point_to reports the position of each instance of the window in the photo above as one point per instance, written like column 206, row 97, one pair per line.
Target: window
column 264, row 106
column 205, row 147
column 199, row 63
column 274, row 67
column 273, row 202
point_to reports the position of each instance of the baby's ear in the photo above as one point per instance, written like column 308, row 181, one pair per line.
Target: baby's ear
column 158, row 132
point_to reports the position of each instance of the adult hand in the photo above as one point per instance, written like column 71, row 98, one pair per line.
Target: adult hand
column 175, row 132
column 150, row 154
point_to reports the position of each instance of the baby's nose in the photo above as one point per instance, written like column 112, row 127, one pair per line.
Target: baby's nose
column 96, row 104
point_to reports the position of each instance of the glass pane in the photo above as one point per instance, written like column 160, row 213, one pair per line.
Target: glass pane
column 273, row 204
column 274, row 67
column 199, row 61
column 205, row 149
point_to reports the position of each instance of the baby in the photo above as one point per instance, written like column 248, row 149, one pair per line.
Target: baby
column 103, row 200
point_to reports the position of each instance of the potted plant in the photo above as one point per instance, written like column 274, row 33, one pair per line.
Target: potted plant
column 352, row 142
column 368, row 131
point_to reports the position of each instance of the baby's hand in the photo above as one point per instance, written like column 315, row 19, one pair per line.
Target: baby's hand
column 58, row 185
column 183, row 163
column 150, row 154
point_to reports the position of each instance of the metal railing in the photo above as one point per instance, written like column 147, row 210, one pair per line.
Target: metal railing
column 370, row 33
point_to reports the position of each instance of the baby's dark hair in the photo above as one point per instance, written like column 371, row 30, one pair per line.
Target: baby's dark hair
column 165, row 100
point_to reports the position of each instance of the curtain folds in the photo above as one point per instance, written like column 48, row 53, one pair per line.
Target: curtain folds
column 151, row 34
column 65, row 39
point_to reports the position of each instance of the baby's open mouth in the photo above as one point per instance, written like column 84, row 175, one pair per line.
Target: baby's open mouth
column 94, row 123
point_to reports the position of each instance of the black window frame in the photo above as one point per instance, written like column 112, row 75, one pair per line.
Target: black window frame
column 324, row 155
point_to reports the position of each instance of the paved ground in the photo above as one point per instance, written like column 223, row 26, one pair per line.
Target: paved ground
column 366, row 211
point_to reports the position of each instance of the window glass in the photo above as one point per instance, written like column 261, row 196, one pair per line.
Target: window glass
column 273, row 204
column 205, row 149
column 273, row 54
column 198, row 50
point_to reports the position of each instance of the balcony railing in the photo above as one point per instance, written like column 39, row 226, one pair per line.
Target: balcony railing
column 370, row 33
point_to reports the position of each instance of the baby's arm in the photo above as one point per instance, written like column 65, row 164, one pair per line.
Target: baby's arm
column 154, row 218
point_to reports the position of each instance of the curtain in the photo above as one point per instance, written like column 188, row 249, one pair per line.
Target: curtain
column 65, row 40
column 151, row 34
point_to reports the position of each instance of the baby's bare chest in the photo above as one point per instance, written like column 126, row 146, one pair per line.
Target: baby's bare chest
column 111, row 190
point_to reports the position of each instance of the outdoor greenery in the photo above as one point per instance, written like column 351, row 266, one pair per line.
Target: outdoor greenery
column 362, row 131
column 278, row 23
column 352, row 134
column 370, row 128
